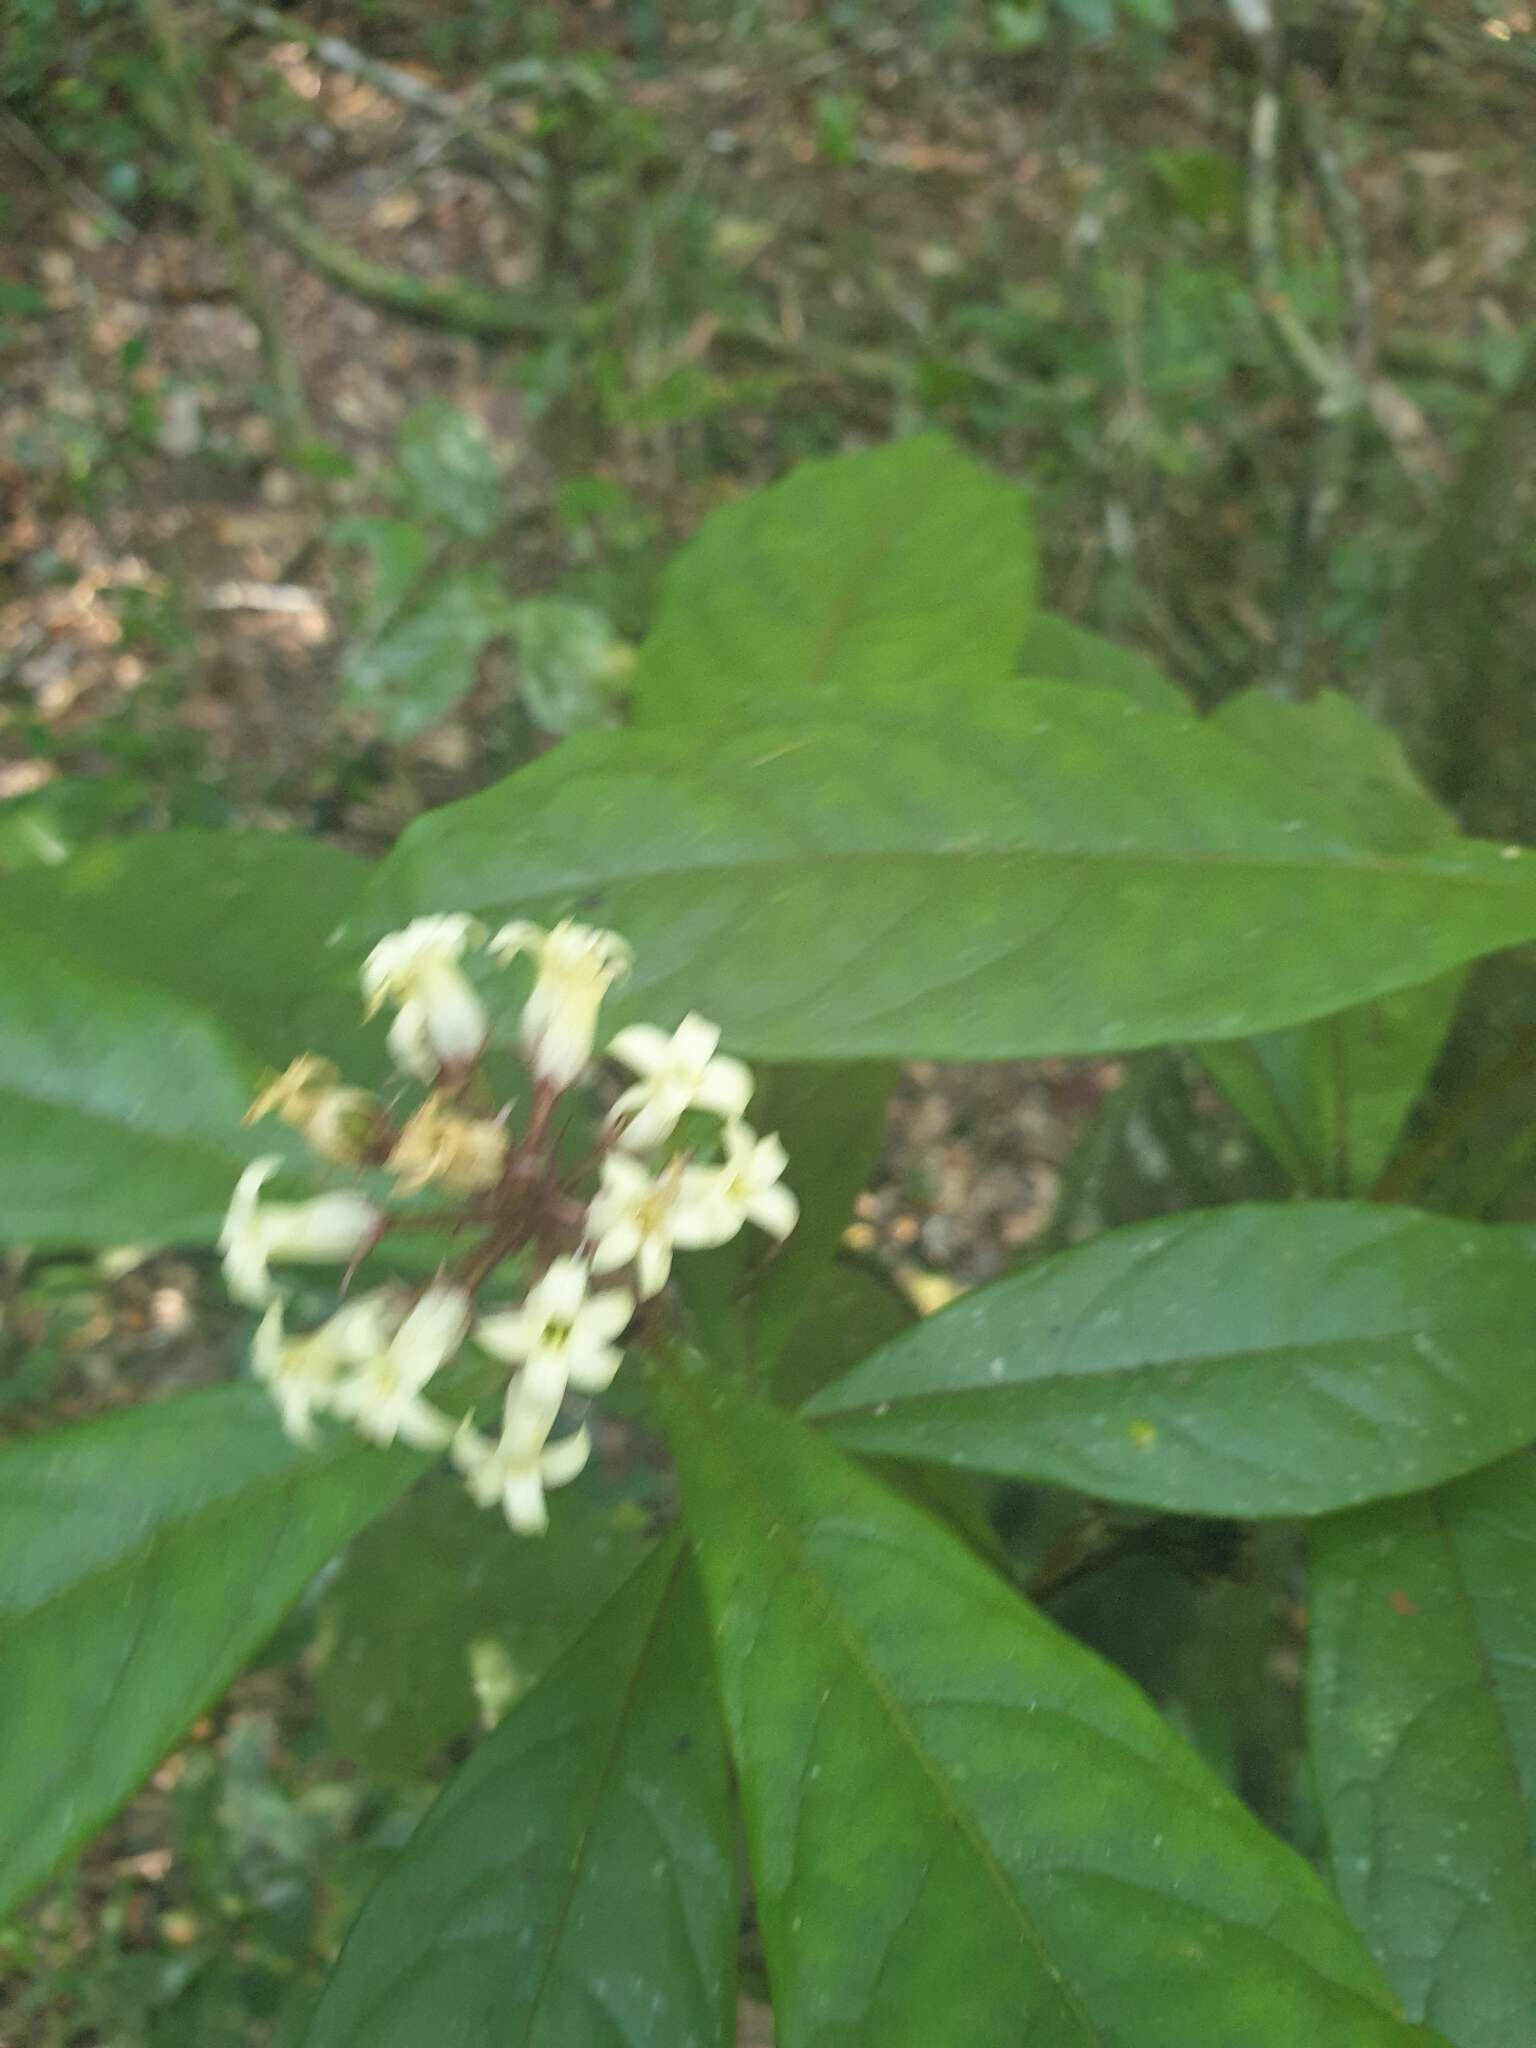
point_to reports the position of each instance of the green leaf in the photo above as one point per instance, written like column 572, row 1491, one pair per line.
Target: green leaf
column 1423, row 1738
column 574, row 1884
column 848, row 1312
column 963, row 1826
column 238, row 924
column 1330, row 1100
column 121, row 1109
column 906, row 565
column 142, row 1560
column 1332, row 746
column 1059, row 872
column 451, row 474
column 1248, row 1361
column 147, row 981
column 571, row 664
column 418, row 667
column 1063, row 653
column 44, row 828
column 424, row 1590
column 397, row 555
column 749, row 1295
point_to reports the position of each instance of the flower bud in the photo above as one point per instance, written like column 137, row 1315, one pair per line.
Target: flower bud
column 465, row 1153
column 343, row 1126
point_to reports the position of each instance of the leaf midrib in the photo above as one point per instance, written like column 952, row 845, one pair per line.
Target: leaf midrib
column 1263, row 1357
column 599, row 1786
column 955, row 1814
column 1346, row 865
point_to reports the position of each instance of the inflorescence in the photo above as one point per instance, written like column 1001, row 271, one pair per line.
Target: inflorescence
column 598, row 1235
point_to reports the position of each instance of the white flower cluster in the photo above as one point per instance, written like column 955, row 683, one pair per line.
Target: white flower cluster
column 601, row 1241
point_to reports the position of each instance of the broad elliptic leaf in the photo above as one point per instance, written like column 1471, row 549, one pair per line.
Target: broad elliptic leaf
column 438, row 1590
column 142, row 1560
column 1060, row 652
column 1058, row 872
column 120, row 1108
column 1423, row 1737
column 237, row 924
column 910, row 564
column 963, row 1826
column 1249, row 1361
column 575, row 1883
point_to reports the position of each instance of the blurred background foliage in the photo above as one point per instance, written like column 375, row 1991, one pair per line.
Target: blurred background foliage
column 362, row 366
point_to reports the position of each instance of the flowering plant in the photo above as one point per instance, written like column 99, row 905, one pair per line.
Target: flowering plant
column 939, row 1676
column 622, row 1209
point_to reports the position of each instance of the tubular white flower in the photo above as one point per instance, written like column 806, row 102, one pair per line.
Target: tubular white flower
column 301, row 1372
column 630, row 1221
column 561, row 1336
column 330, row 1227
column 515, row 1471
column 676, row 1074
column 746, row 1188
column 298, row 1372
column 382, row 1397
column 441, row 1022
column 577, row 964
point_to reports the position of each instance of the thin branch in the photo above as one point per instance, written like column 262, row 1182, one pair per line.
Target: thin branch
column 462, row 115
column 42, row 158
column 216, row 197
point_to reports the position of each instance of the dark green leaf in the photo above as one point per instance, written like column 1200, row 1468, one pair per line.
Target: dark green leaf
column 432, row 1587
column 1330, row 1098
column 422, row 663
column 142, row 1560
column 847, row 1312
column 1060, row 872
column 121, row 1108
column 831, row 1117
column 963, row 1826
column 450, row 469
column 1060, row 652
column 574, row 1885
column 865, row 573
column 1423, row 1725
column 238, row 924
column 1248, row 1361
